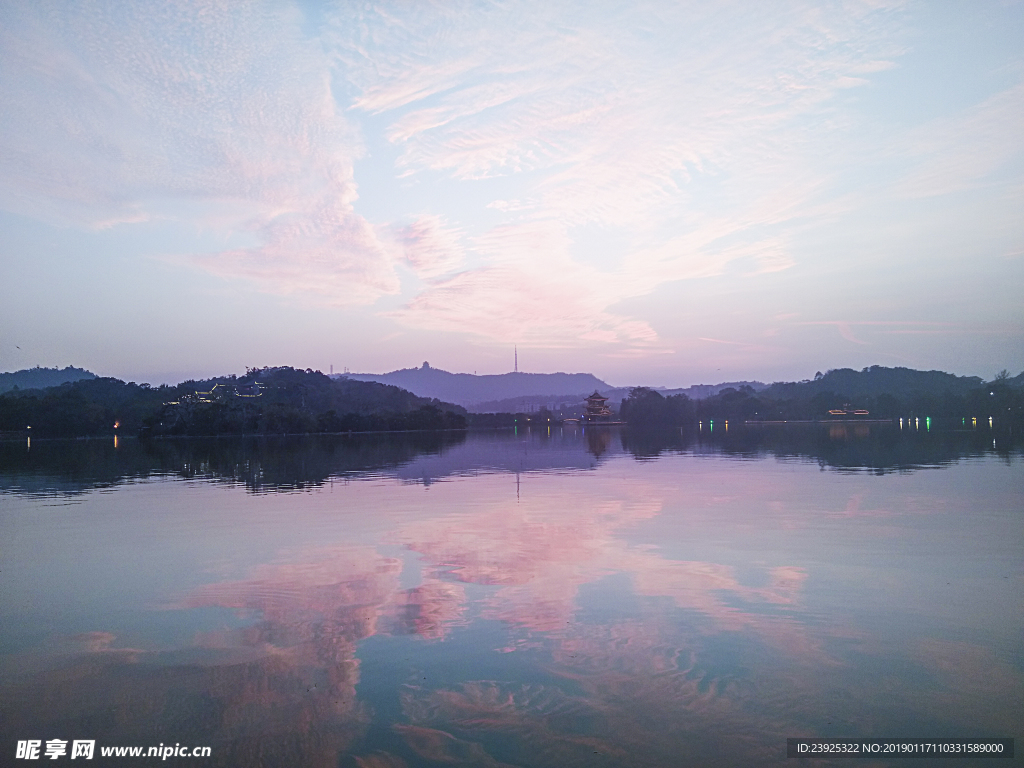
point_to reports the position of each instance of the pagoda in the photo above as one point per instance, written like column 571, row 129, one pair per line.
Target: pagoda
column 597, row 410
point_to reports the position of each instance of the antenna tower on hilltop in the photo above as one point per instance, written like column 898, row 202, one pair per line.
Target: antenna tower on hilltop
column 517, row 358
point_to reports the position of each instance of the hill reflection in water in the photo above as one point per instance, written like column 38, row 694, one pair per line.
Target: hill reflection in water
column 597, row 598
column 294, row 463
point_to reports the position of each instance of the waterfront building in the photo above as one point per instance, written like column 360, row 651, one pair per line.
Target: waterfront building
column 597, row 409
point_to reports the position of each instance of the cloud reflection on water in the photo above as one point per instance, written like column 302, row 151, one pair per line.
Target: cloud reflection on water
column 693, row 609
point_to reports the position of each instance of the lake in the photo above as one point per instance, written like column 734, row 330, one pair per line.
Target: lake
column 559, row 597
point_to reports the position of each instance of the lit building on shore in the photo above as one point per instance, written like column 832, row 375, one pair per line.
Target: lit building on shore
column 597, row 409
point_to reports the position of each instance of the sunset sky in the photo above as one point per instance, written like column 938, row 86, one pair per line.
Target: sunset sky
column 660, row 193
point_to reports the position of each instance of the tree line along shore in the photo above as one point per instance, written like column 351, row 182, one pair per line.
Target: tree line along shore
column 291, row 401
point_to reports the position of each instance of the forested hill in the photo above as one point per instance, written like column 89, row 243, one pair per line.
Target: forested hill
column 875, row 381
column 40, row 378
column 468, row 389
column 876, row 392
column 264, row 401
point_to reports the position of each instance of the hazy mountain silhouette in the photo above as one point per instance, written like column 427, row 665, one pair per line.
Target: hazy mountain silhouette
column 40, row 378
column 467, row 389
column 511, row 392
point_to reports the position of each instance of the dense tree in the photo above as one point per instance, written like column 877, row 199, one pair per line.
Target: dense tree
column 885, row 393
column 263, row 401
column 286, row 400
column 646, row 408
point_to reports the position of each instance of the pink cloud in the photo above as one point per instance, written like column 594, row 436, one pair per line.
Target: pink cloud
column 510, row 304
column 328, row 254
column 231, row 126
column 531, row 291
column 606, row 127
column 429, row 246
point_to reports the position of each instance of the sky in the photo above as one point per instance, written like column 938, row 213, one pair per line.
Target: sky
column 659, row 193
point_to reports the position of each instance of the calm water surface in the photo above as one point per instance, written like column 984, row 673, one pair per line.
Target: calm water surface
column 501, row 599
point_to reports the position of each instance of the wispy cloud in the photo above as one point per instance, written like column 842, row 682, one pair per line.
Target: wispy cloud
column 326, row 253
column 958, row 153
column 429, row 246
column 846, row 327
column 533, row 171
column 509, row 303
column 531, row 290
column 115, row 111
column 622, row 118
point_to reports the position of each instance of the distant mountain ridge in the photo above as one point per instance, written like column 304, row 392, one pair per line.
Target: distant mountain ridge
column 526, row 392
column 467, row 389
column 512, row 392
column 41, row 378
